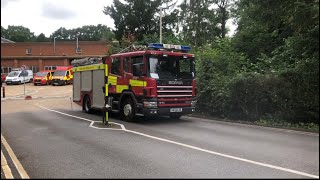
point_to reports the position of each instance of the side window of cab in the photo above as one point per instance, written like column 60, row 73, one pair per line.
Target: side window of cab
column 138, row 68
column 115, row 66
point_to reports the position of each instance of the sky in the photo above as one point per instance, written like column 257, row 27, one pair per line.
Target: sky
column 46, row 16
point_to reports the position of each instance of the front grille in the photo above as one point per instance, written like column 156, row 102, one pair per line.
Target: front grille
column 174, row 96
column 174, row 91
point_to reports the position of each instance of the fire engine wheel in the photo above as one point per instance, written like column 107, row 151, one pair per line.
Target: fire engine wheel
column 128, row 110
column 87, row 104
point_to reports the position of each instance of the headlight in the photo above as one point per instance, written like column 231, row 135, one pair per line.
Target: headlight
column 149, row 104
column 193, row 103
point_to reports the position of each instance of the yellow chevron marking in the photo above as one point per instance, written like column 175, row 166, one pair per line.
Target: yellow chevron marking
column 112, row 80
column 138, row 83
column 88, row 68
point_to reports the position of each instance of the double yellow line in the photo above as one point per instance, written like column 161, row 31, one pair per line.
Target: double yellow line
column 16, row 162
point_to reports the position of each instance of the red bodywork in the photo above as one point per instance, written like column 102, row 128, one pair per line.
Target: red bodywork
column 43, row 80
column 63, row 68
column 3, row 77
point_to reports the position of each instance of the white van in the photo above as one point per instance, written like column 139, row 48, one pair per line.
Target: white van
column 14, row 77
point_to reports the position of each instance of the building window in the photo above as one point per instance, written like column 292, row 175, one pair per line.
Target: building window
column 28, row 50
column 6, row 70
column 78, row 50
column 35, row 69
column 50, row 67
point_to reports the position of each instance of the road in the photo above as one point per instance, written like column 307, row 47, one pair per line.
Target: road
column 53, row 138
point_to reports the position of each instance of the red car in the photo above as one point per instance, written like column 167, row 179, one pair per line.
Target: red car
column 43, row 77
column 3, row 77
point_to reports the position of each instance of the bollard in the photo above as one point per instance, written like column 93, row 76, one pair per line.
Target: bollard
column 3, row 92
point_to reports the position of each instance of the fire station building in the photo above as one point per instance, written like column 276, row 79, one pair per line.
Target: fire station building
column 48, row 55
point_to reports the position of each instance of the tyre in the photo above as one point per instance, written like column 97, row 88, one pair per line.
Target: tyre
column 87, row 104
column 175, row 116
column 35, row 84
column 128, row 110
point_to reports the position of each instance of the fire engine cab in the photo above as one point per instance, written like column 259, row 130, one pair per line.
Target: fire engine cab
column 158, row 79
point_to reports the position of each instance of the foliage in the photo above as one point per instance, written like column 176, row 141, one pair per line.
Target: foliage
column 135, row 17
column 215, row 69
column 17, row 34
column 84, row 33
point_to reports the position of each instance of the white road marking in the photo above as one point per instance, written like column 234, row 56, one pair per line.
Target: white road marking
column 14, row 159
column 197, row 148
column 6, row 169
column 256, row 126
column 91, row 124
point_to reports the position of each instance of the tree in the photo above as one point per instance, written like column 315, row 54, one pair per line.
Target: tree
column 199, row 23
column 42, row 38
column 17, row 34
column 84, row 33
column 61, row 33
column 136, row 18
column 223, row 13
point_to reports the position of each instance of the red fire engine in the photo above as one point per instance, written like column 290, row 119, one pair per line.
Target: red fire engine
column 154, row 80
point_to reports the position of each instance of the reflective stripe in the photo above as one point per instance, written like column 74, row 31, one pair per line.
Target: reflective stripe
column 120, row 88
column 88, row 68
column 107, row 90
column 112, row 80
column 138, row 83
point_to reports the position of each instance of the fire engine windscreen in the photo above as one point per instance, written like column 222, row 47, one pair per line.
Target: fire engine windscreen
column 59, row 73
column 171, row 67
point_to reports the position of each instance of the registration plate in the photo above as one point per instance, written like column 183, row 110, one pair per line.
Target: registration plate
column 176, row 110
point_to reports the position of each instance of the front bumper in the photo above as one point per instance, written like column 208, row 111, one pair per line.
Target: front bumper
column 58, row 82
column 12, row 82
column 167, row 111
column 40, row 81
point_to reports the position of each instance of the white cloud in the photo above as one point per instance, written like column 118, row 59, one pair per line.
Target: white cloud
column 56, row 11
column 46, row 16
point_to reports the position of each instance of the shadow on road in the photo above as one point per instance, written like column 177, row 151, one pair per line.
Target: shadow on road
column 149, row 120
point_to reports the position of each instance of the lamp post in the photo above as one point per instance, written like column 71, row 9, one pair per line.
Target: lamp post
column 54, row 45
column 77, row 43
column 160, row 25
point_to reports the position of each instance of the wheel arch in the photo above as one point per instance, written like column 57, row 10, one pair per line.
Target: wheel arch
column 127, row 94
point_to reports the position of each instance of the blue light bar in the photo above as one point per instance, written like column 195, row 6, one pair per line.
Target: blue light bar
column 169, row 46
column 186, row 48
column 156, row 45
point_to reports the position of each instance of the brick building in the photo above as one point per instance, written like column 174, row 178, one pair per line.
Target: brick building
column 47, row 55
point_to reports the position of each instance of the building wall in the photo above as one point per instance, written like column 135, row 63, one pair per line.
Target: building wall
column 63, row 48
column 13, row 55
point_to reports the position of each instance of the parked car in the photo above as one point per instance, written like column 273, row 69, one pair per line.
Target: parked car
column 3, row 77
column 62, row 75
column 43, row 77
column 15, row 77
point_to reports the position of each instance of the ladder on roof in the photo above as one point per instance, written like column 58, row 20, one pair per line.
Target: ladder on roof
column 132, row 48
column 86, row 61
